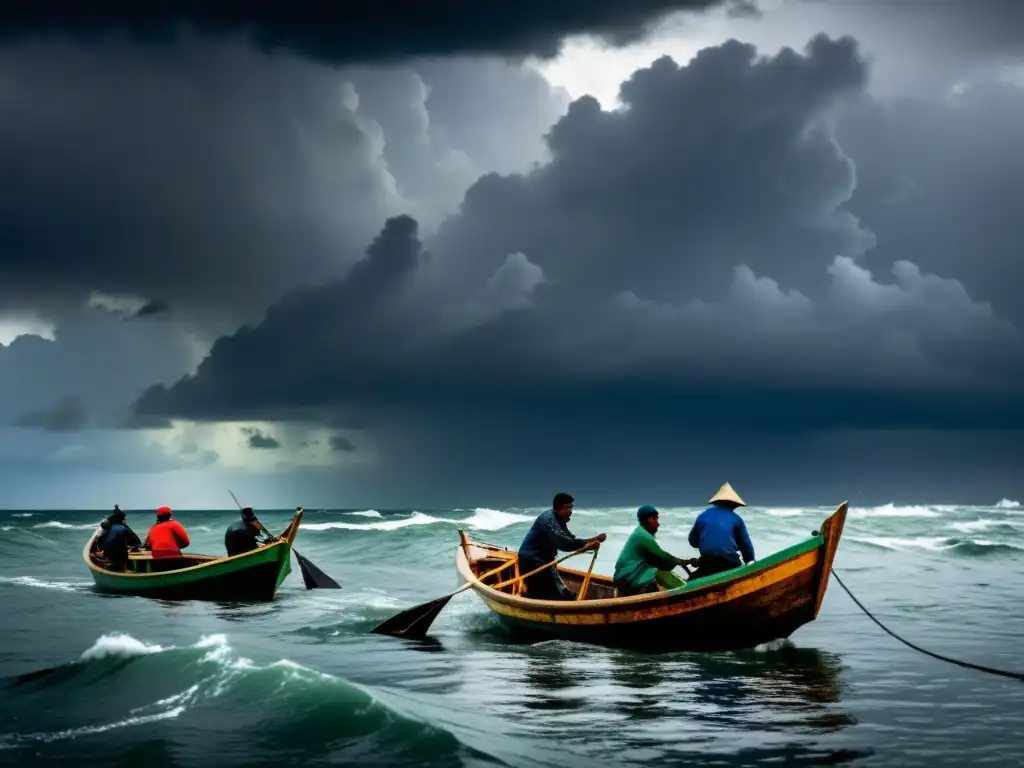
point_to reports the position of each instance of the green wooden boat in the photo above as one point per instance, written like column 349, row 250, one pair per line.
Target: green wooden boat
column 253, row 575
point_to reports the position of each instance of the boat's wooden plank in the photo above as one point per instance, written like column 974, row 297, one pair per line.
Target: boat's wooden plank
column 831, row 532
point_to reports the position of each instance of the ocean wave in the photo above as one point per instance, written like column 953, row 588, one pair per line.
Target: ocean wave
column 891, row 510
column 366, row 513
column 986, row 524
column 23, row 514
column 30, row 581
column 784, row 512
column 66, row 526
column 938, row 544
column 1007, row 504
column 482, row 519
column 209, row 676
column 389, row 524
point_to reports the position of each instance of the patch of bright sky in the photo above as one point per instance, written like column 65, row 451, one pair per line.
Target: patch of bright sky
column 587, row 66
column 25, row 325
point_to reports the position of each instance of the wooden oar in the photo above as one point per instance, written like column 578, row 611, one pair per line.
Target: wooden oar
column 414, row 622
column 312, row 576
column 586, row 579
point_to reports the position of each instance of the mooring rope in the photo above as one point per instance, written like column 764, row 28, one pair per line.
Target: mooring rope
column 990, row 670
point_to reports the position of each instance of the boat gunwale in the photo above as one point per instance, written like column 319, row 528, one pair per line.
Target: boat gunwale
column 697, row 587
column 284, row 540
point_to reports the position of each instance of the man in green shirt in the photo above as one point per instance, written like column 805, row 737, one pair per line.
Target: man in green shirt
column 642, row 564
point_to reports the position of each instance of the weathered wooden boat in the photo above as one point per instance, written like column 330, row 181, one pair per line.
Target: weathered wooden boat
column 252, row 575
column 766, row 600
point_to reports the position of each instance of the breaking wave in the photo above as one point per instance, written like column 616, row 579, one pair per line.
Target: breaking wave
column 938, row 544
column 66, row 526
column 209, row 686
column 1007, row 504
column 482, row 519
column 891, row 510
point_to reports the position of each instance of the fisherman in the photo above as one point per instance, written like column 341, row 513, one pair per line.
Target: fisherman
column 167, row 537
column 118, row 539
column 643, row 564
column 242, row 535
column 546, row 537
column 719, row 533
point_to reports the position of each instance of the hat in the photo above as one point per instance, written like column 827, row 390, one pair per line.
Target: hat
column 645, row 511
column 726, row 493
column 163, row 513
column 248, row 514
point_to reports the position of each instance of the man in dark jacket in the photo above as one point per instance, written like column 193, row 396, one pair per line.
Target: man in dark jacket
column 721, row 535
column 118, row 539
column 541, row 545
column 242, row 535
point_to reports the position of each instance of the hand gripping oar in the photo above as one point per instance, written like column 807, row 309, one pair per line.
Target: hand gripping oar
column 312, row 576
column 414, row 622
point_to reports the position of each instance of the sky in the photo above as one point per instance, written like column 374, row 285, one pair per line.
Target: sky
column 474, row 257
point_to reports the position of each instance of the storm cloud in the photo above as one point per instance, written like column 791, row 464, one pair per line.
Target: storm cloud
column 357, row 32
column 682, row 264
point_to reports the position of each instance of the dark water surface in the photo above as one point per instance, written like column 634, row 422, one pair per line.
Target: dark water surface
column 145, row 682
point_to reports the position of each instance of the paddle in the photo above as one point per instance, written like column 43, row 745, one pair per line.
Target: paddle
column 414, row 622
column 312, row 576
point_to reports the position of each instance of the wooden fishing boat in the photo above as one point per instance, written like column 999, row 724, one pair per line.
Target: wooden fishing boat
column 253, row 575
column 766, row 600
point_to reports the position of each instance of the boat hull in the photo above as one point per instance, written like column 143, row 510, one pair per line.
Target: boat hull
column 253, row 575
column 742, row 608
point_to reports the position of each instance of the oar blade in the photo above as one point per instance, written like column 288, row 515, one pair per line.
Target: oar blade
column 313, row 577
column 413, row 622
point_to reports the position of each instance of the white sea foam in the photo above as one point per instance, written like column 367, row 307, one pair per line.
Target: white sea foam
column 975, row 525
column 29, row 581
column 388, row 524
column 494, row 519
column 482, row 518
column 66, row 526
column 891, row 510
column 931, row 543
column 23, row 514
column 784, row 512
column 1007, row 504
column 366, row 513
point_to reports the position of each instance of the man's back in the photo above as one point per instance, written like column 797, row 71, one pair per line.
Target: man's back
column 720, row 532
column 240, row 537
column 546, row 536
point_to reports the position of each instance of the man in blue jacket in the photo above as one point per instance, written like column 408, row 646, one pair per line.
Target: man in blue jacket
column 118, row 539
column 719, row 533
column 546, row 537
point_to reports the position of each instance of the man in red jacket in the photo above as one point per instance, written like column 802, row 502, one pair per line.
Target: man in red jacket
column 168, row 537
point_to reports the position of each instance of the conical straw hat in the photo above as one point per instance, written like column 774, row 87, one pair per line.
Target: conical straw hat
column 726, row 493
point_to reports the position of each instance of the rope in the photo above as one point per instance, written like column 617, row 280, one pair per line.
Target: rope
column 990, row 670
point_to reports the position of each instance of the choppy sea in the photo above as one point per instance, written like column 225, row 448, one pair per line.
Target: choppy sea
column 134, row 681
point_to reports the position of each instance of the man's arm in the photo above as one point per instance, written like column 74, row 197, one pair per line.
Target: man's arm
column 694, row 537
column 743, row 539
column 653, row 554
column 561, row 537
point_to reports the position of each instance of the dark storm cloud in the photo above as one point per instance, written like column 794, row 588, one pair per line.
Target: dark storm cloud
column 726, row 155
column 342, row 444
column 151, row 308
column 256, row 439
column 210, row 178
column 66, row 415
column 354, row 32
column 743, row 9
column 643, row 280
column 942, row 182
